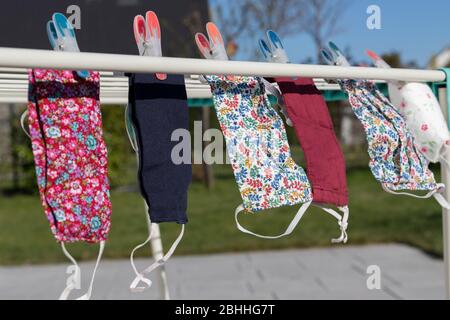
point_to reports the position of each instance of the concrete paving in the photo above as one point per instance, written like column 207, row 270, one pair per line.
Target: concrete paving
column 330, row 273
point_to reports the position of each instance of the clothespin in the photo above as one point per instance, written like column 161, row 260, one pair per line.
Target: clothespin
column 377, row 60
column 274, row 51
column 328, row 56
column 147, row 33
column 62, row 37
column 380, row 63
column 331, row 60
column 335, row 56
column 212, row 46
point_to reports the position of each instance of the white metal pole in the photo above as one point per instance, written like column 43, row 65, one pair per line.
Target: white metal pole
column 445, row 212
column 27, row 58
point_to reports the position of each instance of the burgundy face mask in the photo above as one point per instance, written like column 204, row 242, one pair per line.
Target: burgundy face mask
column 325, row 163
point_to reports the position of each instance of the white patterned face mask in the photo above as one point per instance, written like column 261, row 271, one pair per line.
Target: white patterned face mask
column 422, row 112
column 257, row 143
column 419, row 106
column 396, row 161
column 259, row 152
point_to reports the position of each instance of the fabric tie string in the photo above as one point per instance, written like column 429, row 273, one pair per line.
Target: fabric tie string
column 140, row 276
column 74, row 280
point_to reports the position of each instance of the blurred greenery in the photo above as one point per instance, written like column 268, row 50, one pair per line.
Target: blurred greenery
column 121, row 157
column 376, row 217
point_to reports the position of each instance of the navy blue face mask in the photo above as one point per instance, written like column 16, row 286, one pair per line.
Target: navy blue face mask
column 156, row 109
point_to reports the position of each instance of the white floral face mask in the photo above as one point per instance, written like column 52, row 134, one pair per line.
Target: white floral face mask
column 396, row 161
column 422, row 112
column 257, row 146
column 259, row 152
column 257, row 143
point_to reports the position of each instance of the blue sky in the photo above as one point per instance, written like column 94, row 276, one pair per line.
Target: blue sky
column 416, row 29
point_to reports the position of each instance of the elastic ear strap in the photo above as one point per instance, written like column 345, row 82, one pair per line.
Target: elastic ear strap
column 88, row 294
column 73, row 281
column 140, row 275
column 22, row 123
column 130, row 129
column 427, row 196
column 134, row 284
column 202, row 79
column 342, row 221
column 289, row 229
column 441, row 200
column 436, row 193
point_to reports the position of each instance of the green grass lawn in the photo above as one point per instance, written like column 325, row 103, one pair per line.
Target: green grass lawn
column 375, row 217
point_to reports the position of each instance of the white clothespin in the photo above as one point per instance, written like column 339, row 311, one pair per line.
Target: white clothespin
column 380, row 63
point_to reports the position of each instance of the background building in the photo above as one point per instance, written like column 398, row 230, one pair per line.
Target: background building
column 106, row 25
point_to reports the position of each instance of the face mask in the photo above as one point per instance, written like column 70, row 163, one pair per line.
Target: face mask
column 325, row 163
column 258, row 149
column 395, row 159
column 262, row 189
column 71, row 159
column 422, row 112
column 157, row 109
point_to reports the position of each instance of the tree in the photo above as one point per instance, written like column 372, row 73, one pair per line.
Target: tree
column 321, row 21
column 246, row 19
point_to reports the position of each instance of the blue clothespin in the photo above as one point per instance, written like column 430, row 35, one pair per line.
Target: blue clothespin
column 274, row 50
column 61, row 35
column 335, row 56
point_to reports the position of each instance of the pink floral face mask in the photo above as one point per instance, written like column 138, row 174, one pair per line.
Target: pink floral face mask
column 70, row 157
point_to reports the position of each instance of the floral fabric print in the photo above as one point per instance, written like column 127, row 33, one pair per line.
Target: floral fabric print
column 394, row 157
column 422, row 112
column 257, row 145
column 70, row 154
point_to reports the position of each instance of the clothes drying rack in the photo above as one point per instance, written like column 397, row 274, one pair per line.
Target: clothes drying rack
column 114, row 90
